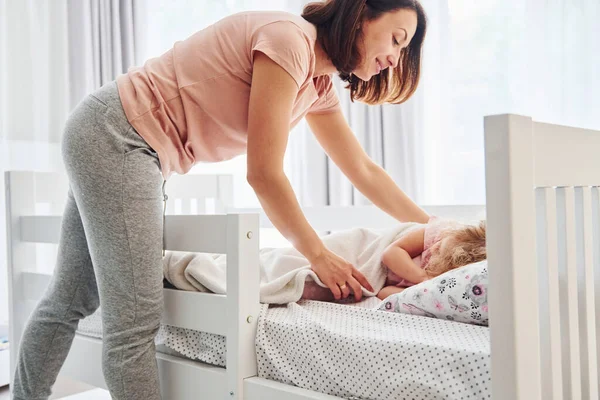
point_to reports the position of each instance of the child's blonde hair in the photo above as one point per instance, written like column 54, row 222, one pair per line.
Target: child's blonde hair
column 466, row 246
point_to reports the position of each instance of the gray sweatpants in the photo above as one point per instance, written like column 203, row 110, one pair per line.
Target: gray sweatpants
column 110, row 254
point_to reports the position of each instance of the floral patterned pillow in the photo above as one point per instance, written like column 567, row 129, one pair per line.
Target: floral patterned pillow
column 458, row 295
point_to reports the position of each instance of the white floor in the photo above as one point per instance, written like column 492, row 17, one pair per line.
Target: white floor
column 68, row 390
column 94, row 394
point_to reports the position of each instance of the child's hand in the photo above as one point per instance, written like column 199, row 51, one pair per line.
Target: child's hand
column 388, row 291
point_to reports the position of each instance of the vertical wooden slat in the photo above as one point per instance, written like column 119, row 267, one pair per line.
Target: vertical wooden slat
column 201, row 209
column 194, row 207
column 186, row 208
column 550, row 344
column 224, row 200
column 572, row 284
column 177, row 205
column 568, row 283
column 554, row 294
column 543, row 274
column 170, row 205
column 580, row 287
column 590, row 312
column 563, row 293
column 211, row 206
column 596, row 250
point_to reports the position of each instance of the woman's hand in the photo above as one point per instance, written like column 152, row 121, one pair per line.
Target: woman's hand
column 339, row 275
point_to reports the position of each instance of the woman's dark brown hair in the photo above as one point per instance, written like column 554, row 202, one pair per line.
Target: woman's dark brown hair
column 338, row 25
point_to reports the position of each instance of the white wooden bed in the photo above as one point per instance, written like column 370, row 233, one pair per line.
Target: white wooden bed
column 542, row 191
column 544, row 256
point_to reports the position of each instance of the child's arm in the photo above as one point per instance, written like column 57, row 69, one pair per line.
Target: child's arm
column 398, row 256
column 388, row 291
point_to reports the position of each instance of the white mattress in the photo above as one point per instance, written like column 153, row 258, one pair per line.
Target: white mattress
column 359, row 353
column 353, row 352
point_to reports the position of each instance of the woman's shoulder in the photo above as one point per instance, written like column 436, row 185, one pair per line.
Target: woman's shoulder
column 285, row 38
column 259, row 20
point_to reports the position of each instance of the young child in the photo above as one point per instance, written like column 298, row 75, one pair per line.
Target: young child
column 429, row 251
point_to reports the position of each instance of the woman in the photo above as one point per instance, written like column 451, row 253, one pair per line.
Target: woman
column 234, row 87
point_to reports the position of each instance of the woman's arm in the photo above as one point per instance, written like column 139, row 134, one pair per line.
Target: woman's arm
column 398, row 256
column 336, row 137
column 271, row 100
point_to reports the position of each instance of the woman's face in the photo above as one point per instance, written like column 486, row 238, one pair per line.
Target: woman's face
column 383, row 39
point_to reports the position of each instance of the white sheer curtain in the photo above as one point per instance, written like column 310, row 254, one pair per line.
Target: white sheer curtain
column 563, row 63
column 105, row 38
column 388, row 135
column 538, row 58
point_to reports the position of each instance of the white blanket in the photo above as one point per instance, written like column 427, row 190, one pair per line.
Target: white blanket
column 284, row 271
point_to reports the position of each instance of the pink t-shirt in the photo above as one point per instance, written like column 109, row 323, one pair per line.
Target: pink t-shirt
column 191, row 103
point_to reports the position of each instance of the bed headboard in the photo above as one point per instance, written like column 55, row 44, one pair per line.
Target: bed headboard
column 542, row 188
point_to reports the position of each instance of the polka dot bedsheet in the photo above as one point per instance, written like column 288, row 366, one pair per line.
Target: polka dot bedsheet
column 354, row 352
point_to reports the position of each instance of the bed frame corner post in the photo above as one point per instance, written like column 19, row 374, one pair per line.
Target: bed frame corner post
column 513, row 294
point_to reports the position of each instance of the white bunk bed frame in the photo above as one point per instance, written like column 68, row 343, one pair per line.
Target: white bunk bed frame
column 543, row 248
